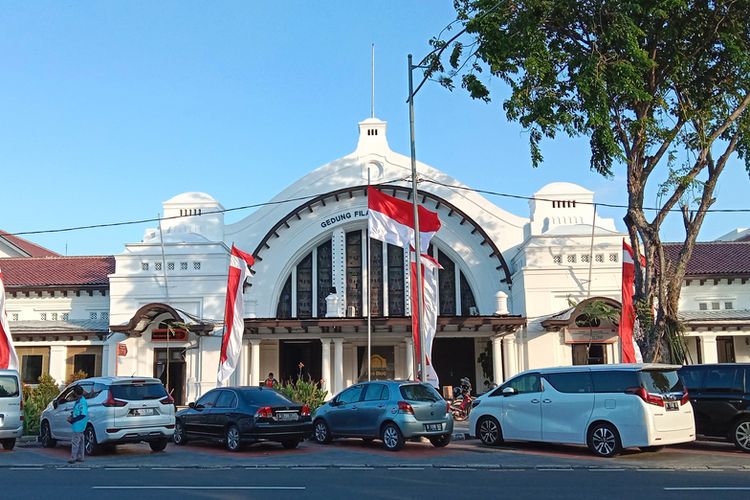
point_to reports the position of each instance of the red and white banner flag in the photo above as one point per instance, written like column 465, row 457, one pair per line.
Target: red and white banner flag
column 8, row 357
column 234, row 324
column 631, row 353
column 430, row 310
column 392, row 220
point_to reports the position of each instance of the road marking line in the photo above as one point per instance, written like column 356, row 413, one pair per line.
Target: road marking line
column 26, row 468
column 613, row 469
column 73, row 468
column 121, row 468
column 355, row 468
column 167, row 468
column 408, row 468
column 183, row 487
column 708, row 488
column 303, row 467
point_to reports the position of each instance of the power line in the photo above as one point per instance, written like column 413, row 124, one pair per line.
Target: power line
column 307, row 197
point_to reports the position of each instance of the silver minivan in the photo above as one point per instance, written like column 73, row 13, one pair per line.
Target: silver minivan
column 11, row 408
column 121, row 410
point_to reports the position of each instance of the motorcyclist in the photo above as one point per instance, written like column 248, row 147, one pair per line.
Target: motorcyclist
column 463, row 390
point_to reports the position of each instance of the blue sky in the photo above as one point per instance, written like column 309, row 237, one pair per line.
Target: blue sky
column 110, row 108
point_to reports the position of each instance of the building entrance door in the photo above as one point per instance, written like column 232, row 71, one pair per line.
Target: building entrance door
column 294, row 352
column 453, row 360
column 169, row 367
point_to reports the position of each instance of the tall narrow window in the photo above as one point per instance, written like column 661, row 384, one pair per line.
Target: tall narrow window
column 284, row 310
column 468, row 304
column 325, row 275
column 447, row 285
column 376, row 277
column 304, row 287
column 354, row 273
column 396, row 296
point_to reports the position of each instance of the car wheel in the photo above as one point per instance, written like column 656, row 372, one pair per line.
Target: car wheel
column 651, row 449
column 741, row 435
column 232, row 438
column 603, row 440
column 322, row 432
column 290, row 444
column 90, row 446
column 179, row 437
column 440, row 441
column 8, row 444
column 158, row 445
column 488, row 431
column 392, row 438
column 45, row 436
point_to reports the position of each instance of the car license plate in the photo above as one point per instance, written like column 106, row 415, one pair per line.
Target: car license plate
column 142, row 412
column 287, row 416
column 433, row 427
column 671, row 405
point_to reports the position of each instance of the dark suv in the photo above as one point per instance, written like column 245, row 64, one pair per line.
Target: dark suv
column 720, row 395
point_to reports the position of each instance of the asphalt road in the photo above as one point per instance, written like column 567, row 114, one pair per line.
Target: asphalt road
column 370, row 483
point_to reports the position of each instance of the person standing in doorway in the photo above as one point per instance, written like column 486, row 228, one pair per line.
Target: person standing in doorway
column 78, row 418
column 270, row 381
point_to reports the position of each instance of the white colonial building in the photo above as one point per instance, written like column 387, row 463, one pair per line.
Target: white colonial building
column 512, row 287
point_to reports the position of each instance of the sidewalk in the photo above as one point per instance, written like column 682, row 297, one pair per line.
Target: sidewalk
column 461, row 431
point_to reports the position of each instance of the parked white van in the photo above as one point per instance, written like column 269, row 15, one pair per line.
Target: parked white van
column 607, row 407
column 11, row 408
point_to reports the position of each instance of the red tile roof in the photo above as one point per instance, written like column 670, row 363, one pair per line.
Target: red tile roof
column 56, row 271
column 715, row 258
column 32, row 249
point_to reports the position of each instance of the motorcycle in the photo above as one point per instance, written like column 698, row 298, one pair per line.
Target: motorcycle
column 461, row 405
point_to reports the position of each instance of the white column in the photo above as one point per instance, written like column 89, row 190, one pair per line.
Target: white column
column 255, row 362
column 709, row 352
column 57, row 363
column 409, row 358
column 509, row 355
column 243, row 377
column 326, row 365
column 338, row 365
column 497, row 360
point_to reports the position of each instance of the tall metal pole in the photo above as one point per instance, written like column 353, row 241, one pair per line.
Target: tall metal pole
column 369, row 291
column 422, row 372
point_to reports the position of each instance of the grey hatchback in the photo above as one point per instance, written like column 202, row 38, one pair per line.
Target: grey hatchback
column 390, row 410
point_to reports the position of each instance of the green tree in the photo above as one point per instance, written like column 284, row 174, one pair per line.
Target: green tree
column 658, row 86
column 36, row 400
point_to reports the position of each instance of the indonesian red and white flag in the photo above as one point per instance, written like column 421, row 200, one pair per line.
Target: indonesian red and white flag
column 631, row 353
column 8, row 356
column 430, row 310
column 392, row 220
column 234, row 323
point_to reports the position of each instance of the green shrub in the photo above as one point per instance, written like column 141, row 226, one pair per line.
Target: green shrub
column 304, row 392
column 36, row 400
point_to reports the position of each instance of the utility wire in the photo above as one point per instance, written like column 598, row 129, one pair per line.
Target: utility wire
column 384, row 183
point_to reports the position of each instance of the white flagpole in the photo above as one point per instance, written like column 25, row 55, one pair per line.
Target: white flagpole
column 166, row 289
column 369, row 301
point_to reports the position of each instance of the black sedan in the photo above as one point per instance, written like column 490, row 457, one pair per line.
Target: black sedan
column 243, row 415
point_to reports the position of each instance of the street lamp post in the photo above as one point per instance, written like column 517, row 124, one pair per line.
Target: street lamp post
column 422, row 361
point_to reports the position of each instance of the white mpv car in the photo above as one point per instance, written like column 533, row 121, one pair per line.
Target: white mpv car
column 607, row 407
column 121, row 410
column 11, row 408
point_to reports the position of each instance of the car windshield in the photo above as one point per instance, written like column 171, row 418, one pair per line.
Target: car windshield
column 8, row 386
column 661, row 381
column 265, row 397
column 419, row 392
column 137, row 392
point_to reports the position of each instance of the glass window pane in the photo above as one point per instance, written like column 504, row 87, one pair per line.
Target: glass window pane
column 447, row 285
column 226, row 399
column 614, row 381
column 325, row 275
column 723, row 379
column 284, row 309
column 468, row 304
column 8, row 386
column 31, row 368
column 85, row 363
column 208, row 400
column 137, row 392
column 573, row 382
column 304, row 287
column 374, row 392
column 354, row 273
column 525, row 383
column 420, row 392
column 692, row 377
column 395, row 281
column 265, row 397
column 376, row 277
column 350, row 395
column 661, row 381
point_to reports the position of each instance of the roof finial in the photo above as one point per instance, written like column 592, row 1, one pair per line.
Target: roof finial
column 372, row 112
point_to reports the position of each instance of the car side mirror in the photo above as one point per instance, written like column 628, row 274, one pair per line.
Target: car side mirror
column 55, row 404
column 334, row 402
column 191, row 405
column 509, row 391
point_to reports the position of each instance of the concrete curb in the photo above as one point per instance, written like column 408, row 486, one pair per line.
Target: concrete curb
column 462, row 436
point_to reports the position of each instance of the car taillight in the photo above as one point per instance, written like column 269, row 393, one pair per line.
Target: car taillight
column 685, row 398
column 169, row 400
column 305, row 411
column 112, row 402
column 404, row 407
column 265, row 412
column 652, row 399
column 447, row 407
